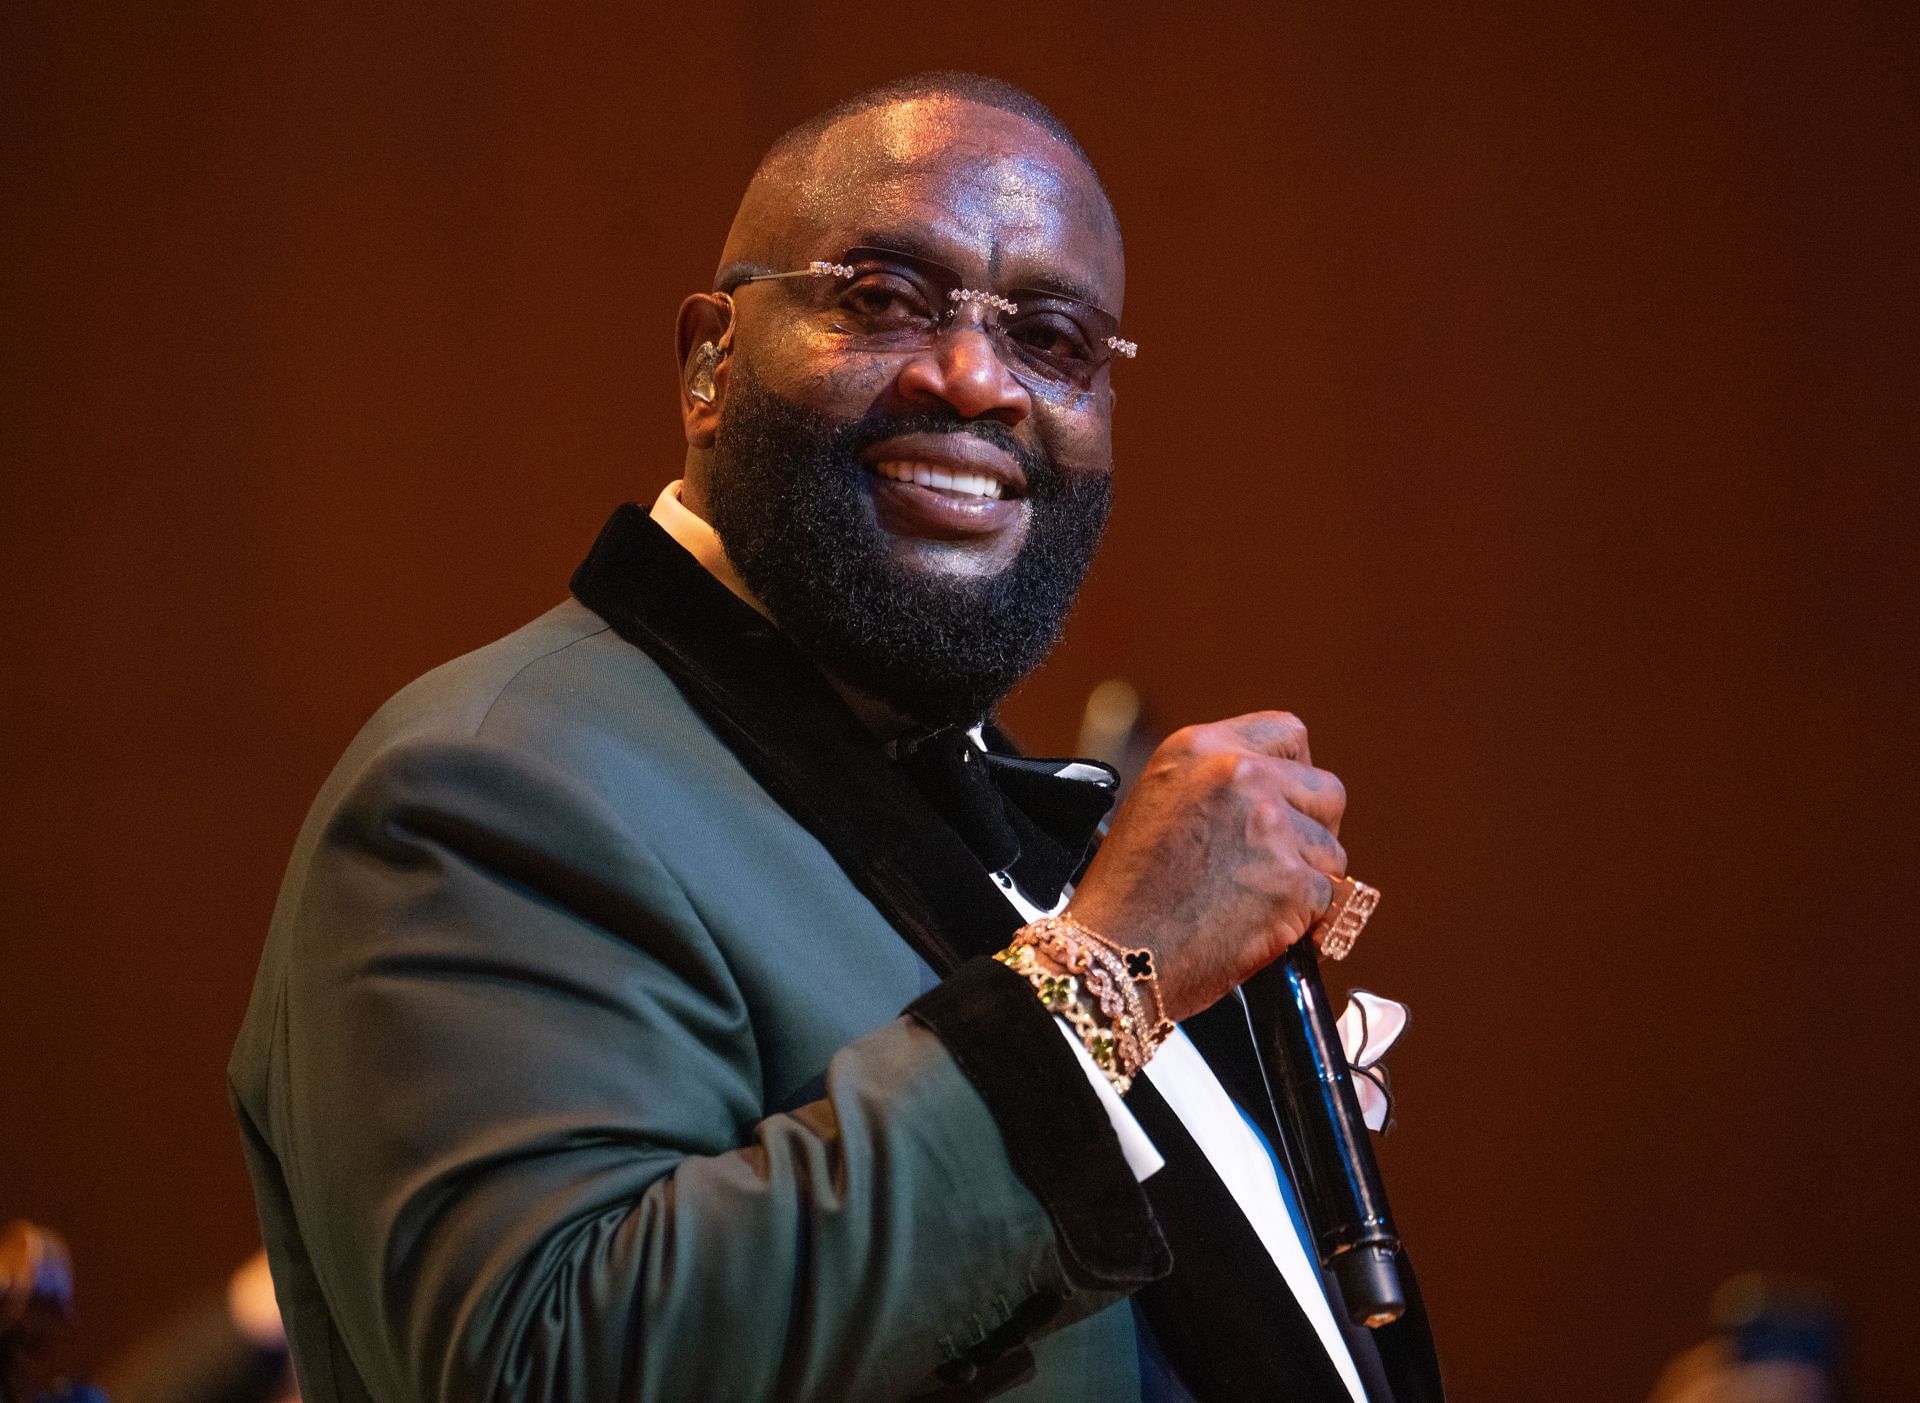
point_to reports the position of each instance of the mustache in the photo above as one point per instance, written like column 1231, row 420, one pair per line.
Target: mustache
column 1044, row 478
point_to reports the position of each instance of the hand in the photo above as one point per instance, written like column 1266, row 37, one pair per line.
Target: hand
column 1221, row 857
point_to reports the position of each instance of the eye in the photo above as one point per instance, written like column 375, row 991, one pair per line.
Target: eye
column 1052, row 334
column 877, row 298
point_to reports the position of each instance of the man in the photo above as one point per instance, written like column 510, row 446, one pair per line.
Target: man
column 578, row 1066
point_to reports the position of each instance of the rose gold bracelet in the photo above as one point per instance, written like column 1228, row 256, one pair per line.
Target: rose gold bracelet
column 1124, row 980
column 1060, row 994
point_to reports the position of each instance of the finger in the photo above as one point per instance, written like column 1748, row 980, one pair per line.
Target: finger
column 1323, row 892
column 1319, row 846
column 1315, row 792
column 1277, row 733
column 1294, row 843
column 1319, row 896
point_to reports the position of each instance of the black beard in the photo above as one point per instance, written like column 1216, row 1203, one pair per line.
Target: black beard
column 792, row 507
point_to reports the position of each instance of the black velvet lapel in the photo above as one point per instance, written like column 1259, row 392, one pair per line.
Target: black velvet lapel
column 794, row 734
column 1225, row 1312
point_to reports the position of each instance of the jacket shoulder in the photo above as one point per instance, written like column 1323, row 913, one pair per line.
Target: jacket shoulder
column 456, row 698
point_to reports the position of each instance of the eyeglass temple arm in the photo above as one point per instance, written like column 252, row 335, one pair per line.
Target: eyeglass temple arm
column 819, row 268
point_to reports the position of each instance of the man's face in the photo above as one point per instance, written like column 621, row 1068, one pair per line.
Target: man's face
column 935, row 595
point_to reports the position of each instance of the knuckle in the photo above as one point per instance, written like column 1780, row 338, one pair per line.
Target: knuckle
column 1279, row 732
column 1270, row 816
column 1225, row 769
column 1188, row 740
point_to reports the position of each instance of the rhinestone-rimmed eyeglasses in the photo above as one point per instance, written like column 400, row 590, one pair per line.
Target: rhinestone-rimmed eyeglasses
column 885, row 300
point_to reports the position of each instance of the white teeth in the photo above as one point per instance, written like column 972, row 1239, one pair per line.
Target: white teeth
column 926, row 475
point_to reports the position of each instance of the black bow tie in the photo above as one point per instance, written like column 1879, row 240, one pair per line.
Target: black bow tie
column 1030, row 818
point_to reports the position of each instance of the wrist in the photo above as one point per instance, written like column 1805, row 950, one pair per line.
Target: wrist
column 1107, row 993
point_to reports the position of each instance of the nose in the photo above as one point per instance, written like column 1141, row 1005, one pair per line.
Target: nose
column 964, row 368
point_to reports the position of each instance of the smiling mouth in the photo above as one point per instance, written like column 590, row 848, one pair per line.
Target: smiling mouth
column 956, row 483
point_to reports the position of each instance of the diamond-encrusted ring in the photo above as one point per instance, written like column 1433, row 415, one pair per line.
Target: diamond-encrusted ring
column 1337, row 929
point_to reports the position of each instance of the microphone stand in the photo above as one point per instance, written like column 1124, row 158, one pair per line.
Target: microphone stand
column 1324, row 1135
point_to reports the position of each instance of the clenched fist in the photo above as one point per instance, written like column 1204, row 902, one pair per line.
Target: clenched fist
column 1221, row 857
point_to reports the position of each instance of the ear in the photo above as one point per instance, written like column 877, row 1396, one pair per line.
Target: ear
column 705, row 321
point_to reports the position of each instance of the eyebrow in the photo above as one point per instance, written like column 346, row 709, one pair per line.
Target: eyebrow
column 921, row 246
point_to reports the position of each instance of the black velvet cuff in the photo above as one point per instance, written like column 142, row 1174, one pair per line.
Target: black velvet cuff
column 1056, row 1131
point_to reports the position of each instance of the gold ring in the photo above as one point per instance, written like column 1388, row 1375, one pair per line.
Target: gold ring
column 1339, row 925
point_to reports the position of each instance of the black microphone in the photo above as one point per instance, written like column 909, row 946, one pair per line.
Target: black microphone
column 1309, row 1086
column 1324, row 1135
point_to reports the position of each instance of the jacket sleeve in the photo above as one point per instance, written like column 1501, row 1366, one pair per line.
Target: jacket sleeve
column 520, row 1125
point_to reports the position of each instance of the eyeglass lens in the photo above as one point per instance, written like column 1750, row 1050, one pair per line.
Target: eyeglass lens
column 900, row 301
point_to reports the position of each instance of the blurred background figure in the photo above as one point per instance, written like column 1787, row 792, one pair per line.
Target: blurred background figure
column 36, row 1301
column 1776, row 1341
column 226, row 1347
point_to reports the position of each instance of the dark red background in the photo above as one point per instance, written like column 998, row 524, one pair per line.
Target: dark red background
column 1526, row 398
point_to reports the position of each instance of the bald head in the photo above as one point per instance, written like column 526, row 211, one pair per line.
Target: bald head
column 974, row 87
column 1003, row 165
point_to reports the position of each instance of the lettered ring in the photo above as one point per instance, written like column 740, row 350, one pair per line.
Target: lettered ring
column 1340, row 924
